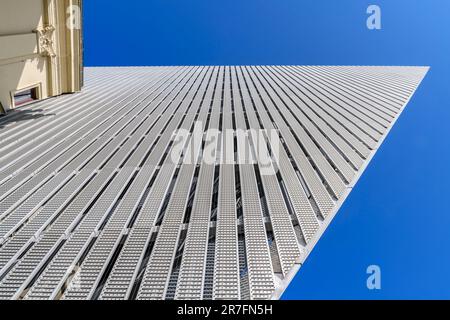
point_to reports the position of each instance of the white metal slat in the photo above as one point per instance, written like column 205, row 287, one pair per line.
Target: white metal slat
column 17, row 277
column 286, row 241
column 381, row 84
column 320, row 128
column 404, row 76
column 192, row 269
column 347, row 119
column 260, row 273
column 90, row 94
column 19, row 132
column 97, row 213
column 381, row 119
column 52, row 224
column 226, row 282
column 358, row 139
column 120, row 281
column 321, row 197
column 13, row 165
column 38, row 158
column 41, row 177
column 18, row 216
column 49, row 282
column 389, row 77
column 336, row 184
column 342, row 88
column 30, row 205
column 323, row 121
column 356, row 114
column 299, row 200
column 357, row 122
column 365, row 87
column 21, row 129
column 156, row 276
column 117, row 223
column 77, row 207
column 37, row 223
column 49, row 135
column 190, row 281
column 15, row 120
column 360, row 91
column 69, row 252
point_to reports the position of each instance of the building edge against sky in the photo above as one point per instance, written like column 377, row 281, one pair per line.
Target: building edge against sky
column 287, row 280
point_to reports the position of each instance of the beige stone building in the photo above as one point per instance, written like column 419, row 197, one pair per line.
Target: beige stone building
column 40, row 50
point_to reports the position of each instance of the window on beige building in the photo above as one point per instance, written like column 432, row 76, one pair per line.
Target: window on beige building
column 40, row 50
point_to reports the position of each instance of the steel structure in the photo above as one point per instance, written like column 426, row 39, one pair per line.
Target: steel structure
column 97, row 203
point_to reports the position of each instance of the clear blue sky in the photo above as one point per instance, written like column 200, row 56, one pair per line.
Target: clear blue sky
column 398, row 215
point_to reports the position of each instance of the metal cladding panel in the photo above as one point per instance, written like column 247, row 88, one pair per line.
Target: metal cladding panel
column 185, row 182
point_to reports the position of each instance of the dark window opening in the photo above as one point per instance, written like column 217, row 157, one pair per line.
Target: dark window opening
column 26, row 96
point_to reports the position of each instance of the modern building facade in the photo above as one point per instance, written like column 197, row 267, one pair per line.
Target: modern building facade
column 40, row 50
column 185, row 182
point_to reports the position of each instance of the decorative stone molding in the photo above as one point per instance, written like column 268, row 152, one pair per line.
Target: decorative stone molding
column 45, row 40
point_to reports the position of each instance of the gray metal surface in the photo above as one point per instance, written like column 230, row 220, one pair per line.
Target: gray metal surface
column 98, row 200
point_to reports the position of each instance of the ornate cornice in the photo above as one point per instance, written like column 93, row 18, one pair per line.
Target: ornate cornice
column 45, row 41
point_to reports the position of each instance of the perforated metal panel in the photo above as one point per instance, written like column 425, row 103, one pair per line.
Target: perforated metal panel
column 98, row 200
